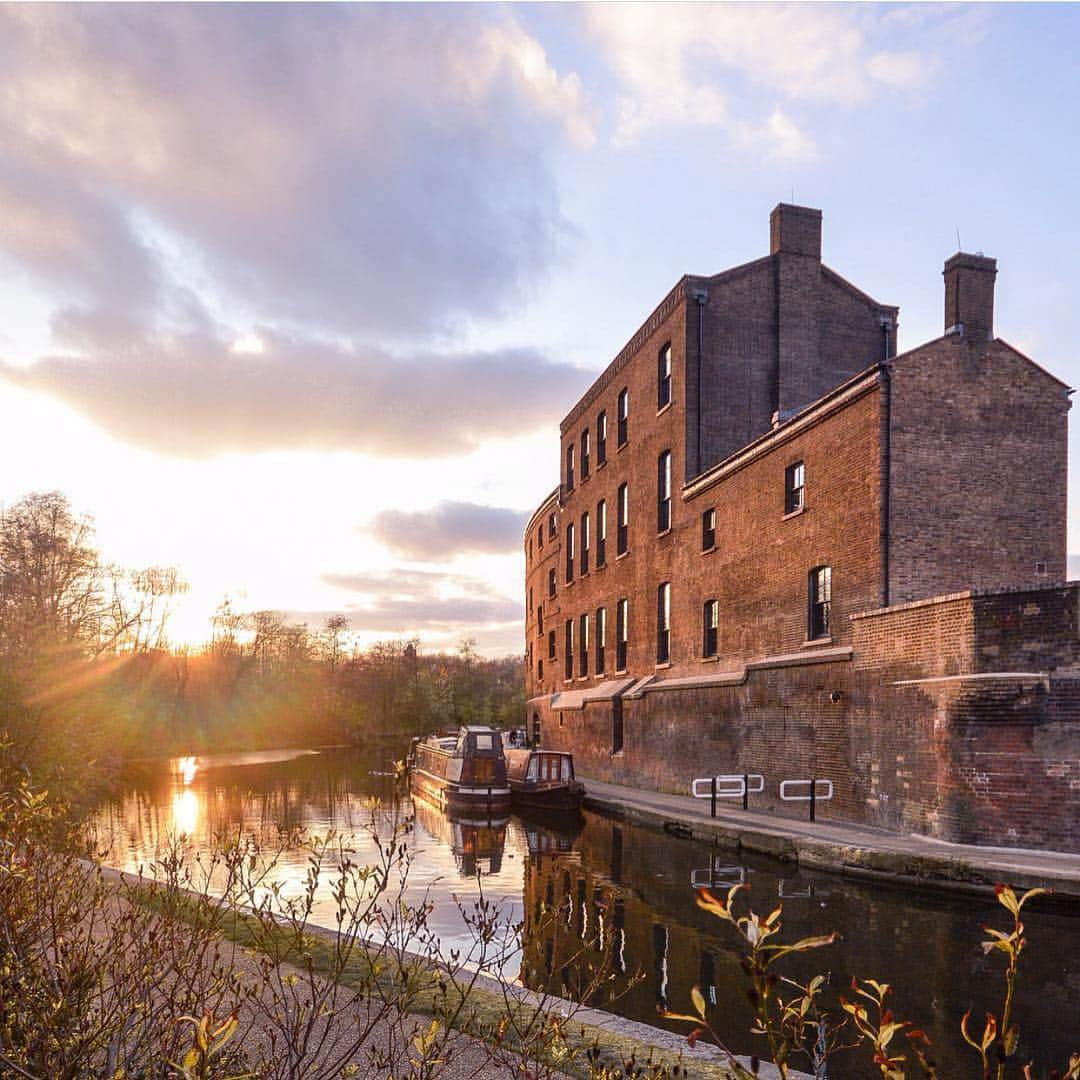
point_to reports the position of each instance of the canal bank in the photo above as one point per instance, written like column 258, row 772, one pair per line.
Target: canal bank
column 839, row 847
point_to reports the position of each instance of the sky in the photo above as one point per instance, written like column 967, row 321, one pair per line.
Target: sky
column 294, row 298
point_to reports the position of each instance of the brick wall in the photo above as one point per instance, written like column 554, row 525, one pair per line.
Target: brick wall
column 978, row 461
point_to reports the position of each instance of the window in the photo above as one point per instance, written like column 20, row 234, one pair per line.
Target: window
column 663, row 623
column 585, row 542
column 569, row 552
column 530, row 549
column 551, row 644
column 530, row 596
column 601, row 638
column 820, row 596
column 540, row 537
column 552, row 531
column 539, row 669
column 794, row 487
column 569, row 649
column 570, row 467
column 624, row 415
column 583, row 646
column 622, row 538
column 663, row 377
column 551, row 582
column 711, row 622
column 708, row 530
column 601, row 533
column 540, row 621
column 601, row 439
column 622, row 633
column 663, row 492
column 585, row 453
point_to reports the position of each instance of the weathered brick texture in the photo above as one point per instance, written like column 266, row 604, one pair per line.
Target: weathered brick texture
column 944, row 698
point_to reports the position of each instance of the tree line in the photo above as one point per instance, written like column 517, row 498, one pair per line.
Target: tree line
column 88, row 674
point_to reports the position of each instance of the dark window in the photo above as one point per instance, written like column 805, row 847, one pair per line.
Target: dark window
column 663, row 377
column 624, row 415
column 708, row 530
column 539, row 669
column 601, row 533
column 601, row 439
column 794, row 487
column 570, row 552
column 663, row 492
column 663, row 623
column 530, row 596
column 551, row 644
column 622, row 538
column 540, row 537
column 711, row 620
column 551, row 582
column 622, row 633
column 820, row 596
column 530, row 549
column 585, row 542
column 584, row 453
column 601, row 638
column 570, row 467
column 540, row 621
column 552, row 532
column 569, row 674
column 583, row 646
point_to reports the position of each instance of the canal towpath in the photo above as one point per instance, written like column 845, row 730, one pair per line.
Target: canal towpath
column 842, row 847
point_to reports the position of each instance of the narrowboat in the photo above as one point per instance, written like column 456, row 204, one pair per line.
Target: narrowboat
column 462, row 772
column 543, row 779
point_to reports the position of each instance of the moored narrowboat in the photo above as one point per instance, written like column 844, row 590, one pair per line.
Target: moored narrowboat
column 543, row 779
column 462, row 772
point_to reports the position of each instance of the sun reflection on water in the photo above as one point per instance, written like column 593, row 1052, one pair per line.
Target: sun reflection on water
column 185, row 812
column 187, row 767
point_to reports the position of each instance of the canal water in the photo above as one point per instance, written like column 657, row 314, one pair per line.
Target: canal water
column 607, row 910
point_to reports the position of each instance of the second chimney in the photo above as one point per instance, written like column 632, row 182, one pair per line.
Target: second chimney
column 969, row 296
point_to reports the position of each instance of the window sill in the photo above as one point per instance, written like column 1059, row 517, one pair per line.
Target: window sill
column 710, row 659
column 584, row 480
column 599, row 675
column 568, row 682
column 665, row 408
column 623, row 555
column 584, row 573
column 794, row 513
column 602, row 566
column 583, row 678
column 663, row 665
column 708, row 550
column 602, row 465
column 664, row 532
column 622, row 446
column 813, row 643
column 619, row 671
column 568, row 584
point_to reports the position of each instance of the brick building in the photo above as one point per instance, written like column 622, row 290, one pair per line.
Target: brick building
column 779, row 547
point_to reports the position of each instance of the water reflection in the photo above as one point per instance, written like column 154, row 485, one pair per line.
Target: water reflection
column 599, row 898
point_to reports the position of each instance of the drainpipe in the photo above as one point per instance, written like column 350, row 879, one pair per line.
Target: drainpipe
column 701, row 296
column 885, row 479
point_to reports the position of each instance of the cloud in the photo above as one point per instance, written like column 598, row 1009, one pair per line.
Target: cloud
column 408, row 601
column 449, row 529
column 359, row 168
column 195, row 394
column 740, row 67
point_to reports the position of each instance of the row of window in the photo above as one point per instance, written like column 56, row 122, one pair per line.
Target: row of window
column 794, row 492
column 588, row 634
column 794, row 501
column 585, row 443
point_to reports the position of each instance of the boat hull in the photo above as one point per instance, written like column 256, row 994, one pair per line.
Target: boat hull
column 456, row 796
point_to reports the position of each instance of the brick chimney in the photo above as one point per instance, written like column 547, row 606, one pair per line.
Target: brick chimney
column 795, row 230
column 969, row 295
column 795, row 246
